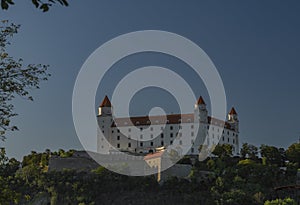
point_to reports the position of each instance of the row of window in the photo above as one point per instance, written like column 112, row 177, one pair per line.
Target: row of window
column 161, row 135
column 151, row 128
column 142, row 144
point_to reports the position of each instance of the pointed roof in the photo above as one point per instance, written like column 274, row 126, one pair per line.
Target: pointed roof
column 232, row 111
column 201, row 101
column 105, row 102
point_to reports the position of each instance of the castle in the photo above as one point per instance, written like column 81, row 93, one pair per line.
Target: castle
column 170, row 128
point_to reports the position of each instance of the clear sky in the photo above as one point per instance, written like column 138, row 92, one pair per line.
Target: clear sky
column 255, row 46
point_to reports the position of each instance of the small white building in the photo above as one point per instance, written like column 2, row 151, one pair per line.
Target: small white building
column 157, row 131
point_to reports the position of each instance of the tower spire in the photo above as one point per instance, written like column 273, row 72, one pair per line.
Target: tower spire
column 232, row 111
column 106, row 102
column 201, row 101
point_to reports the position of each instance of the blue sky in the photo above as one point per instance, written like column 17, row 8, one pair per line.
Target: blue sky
column 255, row 46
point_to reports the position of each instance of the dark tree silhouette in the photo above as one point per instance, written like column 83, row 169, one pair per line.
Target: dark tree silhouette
column 40, row 4
column 16, row 79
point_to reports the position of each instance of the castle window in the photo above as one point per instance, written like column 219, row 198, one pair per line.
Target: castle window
column 171, row 134
column 171, row 142
column 228, row 139
column 223, row 138
column 192, row 149
column 180, row 127
column 151, row 143
column 129, row 136
column 141, row 144
column 179, row 120
column 162, row 135
column 112, row 131
column 118, row 145
column 151, row 136
column 151, row 128
column 233, row 141
column 168, row 121
column 129, row 129
column 102, row 131
column 129, row 144
column 141, row 128
column 192, row 142
column 207, row 126
column 162, row 143
column 141, row 136
column 180, row 142
column 118, row 131
column 192, row 126
column 118, row 137
column 137, row 123
column 227, row 132
column 171, row 127
column 192, row 134
column 233, row 133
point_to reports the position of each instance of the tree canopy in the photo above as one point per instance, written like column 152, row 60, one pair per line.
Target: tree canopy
column 40, row 4
column 16, row 79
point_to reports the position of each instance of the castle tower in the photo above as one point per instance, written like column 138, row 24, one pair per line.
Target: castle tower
column 233, row 119
column 105, row 120
column 105, row 109
column 200, row 111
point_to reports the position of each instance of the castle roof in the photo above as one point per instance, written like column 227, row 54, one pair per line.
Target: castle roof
column 201, row 101
column 232, row 111
column 105, row 102
column 156, row 120
column 162, row 120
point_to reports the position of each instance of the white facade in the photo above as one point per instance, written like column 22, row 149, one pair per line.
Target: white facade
column 157, row 131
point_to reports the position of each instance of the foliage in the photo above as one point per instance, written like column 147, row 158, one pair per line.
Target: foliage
column 249, row 151
column 224, row 150
column 286, row 201
column 16, row 80
column 272, row 154
column 40, row 4
column 293, row 153
column 218, row 180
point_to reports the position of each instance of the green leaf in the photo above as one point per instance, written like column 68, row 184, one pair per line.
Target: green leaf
column 10, row 2
column 4, row 5
column 44, row 7
column 36, row 3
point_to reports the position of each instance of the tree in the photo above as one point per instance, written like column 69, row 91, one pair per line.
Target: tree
column 286, row 201
column 16, row 79
column 249, row 151
column 293, row 153
column 224, row 150
column 271, row 154
column 43, row 5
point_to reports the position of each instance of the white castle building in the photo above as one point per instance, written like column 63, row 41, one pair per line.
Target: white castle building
column 170, row 129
